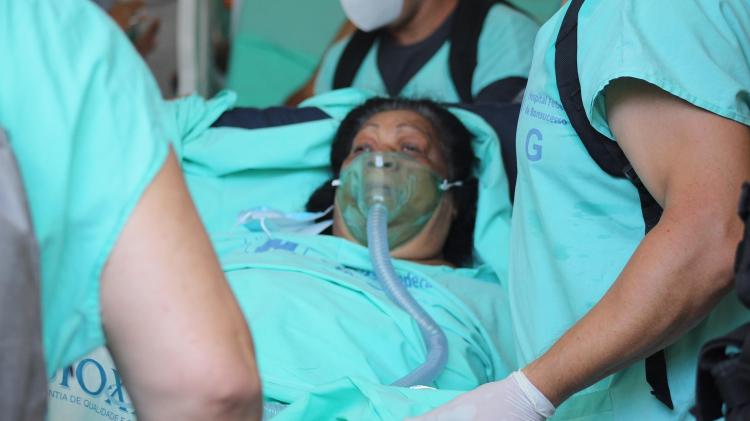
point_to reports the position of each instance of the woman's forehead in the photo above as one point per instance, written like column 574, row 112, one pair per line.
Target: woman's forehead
column 411, row 121
column 400, row 119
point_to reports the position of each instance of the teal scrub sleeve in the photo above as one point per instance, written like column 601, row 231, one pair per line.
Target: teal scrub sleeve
column 505, row 48
column 83, row 114
column 698, row 52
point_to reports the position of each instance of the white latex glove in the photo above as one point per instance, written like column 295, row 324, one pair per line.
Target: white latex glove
column 511, row 399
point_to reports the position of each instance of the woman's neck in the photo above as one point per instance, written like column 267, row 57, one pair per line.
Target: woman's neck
column 436, row 261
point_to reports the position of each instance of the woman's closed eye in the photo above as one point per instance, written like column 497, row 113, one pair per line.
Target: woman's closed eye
column 412, row 146
column 411, row 149
column 363, row 147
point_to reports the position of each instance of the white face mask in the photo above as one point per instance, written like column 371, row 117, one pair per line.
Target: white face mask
column 369, row 15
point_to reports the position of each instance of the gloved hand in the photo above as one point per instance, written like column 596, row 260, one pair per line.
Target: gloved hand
column 511, row 399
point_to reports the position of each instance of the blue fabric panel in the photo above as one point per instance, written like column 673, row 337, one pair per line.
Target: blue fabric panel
column 255, row 118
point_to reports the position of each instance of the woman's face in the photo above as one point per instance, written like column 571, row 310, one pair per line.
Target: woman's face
column 406, row 132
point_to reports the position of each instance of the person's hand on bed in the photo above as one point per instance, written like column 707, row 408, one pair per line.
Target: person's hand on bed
column 511, row 399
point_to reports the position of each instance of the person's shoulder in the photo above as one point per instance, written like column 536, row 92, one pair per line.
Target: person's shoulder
column 659, row 16
column 645, row 39
column 504, row 15
column 60, row 24
column 507, row 28
column 505, row 24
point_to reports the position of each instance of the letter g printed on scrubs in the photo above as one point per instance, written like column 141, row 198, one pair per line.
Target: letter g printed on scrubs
column 369, row 15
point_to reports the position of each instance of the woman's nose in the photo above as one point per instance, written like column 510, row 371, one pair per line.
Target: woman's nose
column 385, row 147
column 382, row 161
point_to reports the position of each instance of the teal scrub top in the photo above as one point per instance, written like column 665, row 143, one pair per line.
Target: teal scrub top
column 504, row 51
column 574, row 227
column 83, row 115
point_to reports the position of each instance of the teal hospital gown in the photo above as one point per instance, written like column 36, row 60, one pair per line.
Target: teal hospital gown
column 330, row 341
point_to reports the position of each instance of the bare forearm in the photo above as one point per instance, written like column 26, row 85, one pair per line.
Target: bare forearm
column 674, row 278
column 174, row 329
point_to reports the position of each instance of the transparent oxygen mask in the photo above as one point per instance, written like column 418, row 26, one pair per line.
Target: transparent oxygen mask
column 409, row 189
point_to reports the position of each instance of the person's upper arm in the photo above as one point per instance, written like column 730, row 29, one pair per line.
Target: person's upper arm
column 693, row 162
column 505, row 50
column 173, row 326
column 688, row 158
column 677, row 113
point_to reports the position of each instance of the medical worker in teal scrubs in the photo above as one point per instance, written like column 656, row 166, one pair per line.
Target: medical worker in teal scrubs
column 124, row 259
column 591, row 296
column 410, row 55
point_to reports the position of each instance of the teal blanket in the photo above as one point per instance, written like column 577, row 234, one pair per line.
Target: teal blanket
column 329, row 341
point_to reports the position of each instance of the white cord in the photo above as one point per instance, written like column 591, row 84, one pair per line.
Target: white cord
column 445, row 185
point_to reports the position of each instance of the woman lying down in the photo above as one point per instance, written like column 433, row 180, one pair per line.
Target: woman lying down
column 330, row 342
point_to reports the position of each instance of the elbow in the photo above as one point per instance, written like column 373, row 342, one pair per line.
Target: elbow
column 223, row 389
column 212, row 392
column 728, row 238
column 716, row 255
column 235, row 396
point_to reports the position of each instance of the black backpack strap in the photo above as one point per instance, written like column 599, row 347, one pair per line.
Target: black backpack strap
column 464, row 37
column 260, row 118
column 352, row 57
column 467, row 27
column 608, row 156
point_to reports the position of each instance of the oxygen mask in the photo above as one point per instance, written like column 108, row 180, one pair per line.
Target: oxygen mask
column 409, row 189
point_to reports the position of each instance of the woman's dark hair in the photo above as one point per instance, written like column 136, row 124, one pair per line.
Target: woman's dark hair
column 455, row 141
